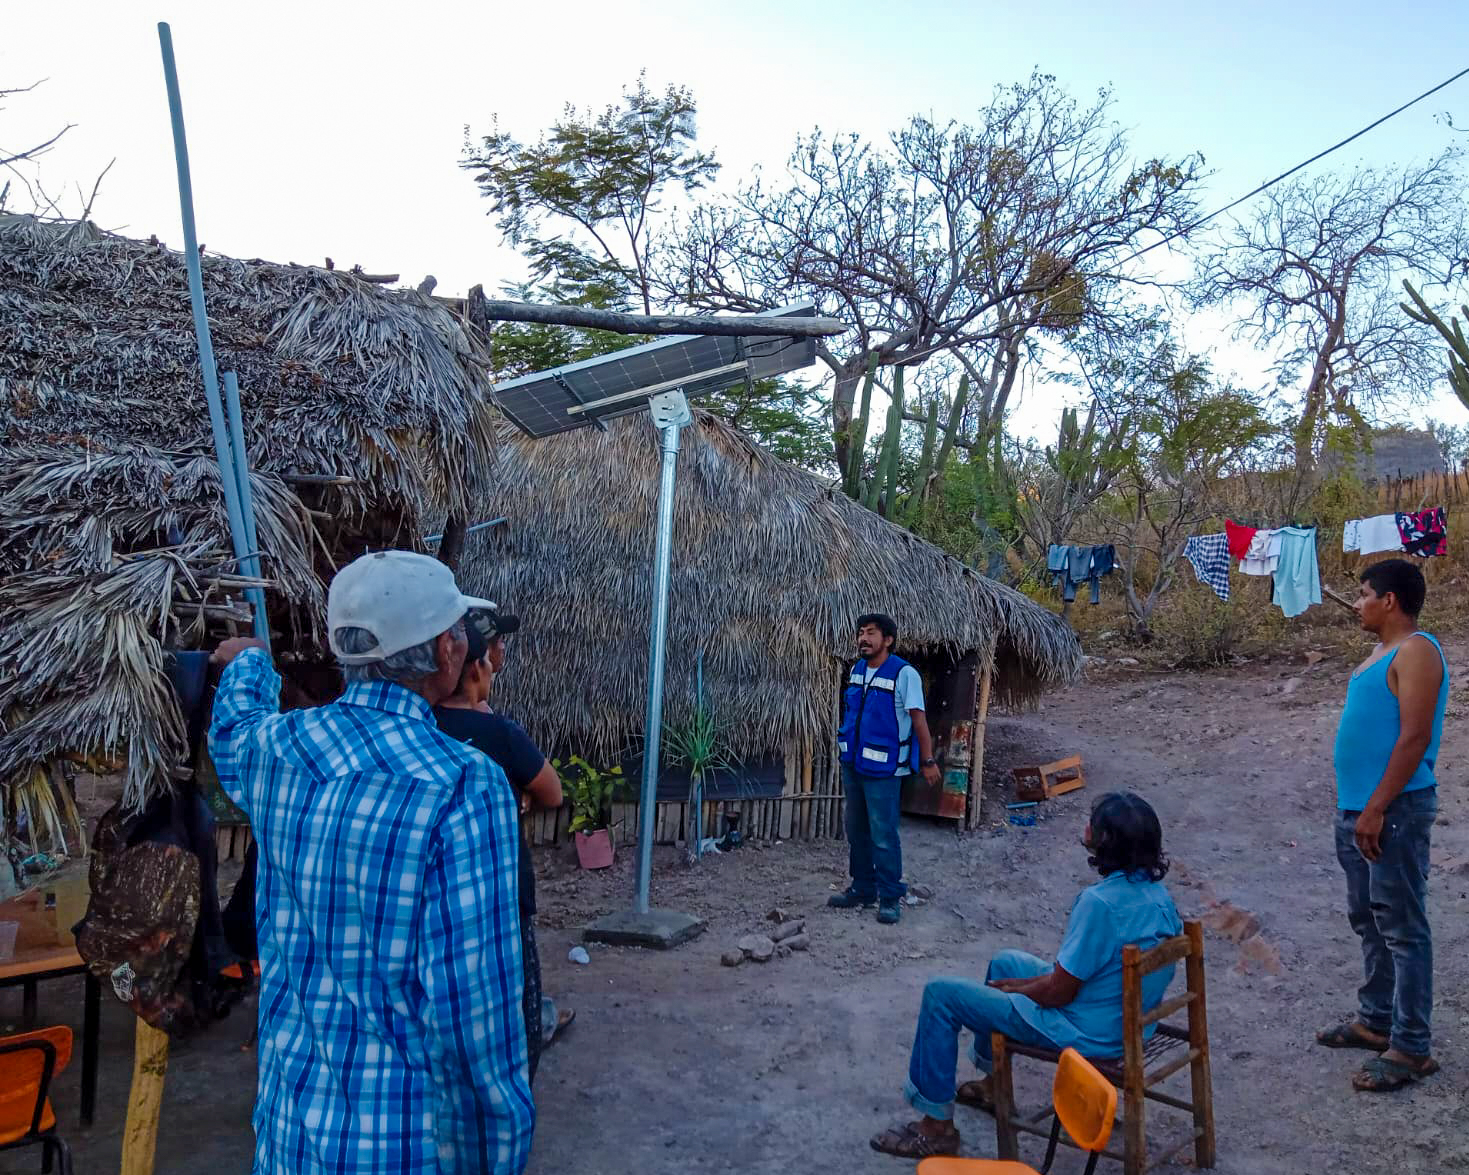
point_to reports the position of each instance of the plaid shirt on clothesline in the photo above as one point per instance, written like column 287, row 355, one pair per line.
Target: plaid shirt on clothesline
column 1209, row 554
column 391, row 1035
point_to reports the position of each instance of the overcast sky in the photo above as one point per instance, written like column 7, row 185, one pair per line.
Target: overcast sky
column 334, row 129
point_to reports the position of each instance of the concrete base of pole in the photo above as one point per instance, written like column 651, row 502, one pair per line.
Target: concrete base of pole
column 660, row 930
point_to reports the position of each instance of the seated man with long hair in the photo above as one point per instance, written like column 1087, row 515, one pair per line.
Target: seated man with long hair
column 1075, row 1003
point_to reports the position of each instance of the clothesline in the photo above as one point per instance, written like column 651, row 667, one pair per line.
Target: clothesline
column 1288, row 553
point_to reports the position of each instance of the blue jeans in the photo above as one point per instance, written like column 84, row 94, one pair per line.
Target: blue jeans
column 951, row 1005
column 875, row 853
column 1387, row 905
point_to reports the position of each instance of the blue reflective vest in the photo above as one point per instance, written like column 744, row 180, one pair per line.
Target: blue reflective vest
column 868, row 739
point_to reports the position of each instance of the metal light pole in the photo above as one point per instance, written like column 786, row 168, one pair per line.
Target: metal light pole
column 670, row 413
column 643, row 926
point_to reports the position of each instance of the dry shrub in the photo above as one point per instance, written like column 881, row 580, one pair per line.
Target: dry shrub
column 1197, row 628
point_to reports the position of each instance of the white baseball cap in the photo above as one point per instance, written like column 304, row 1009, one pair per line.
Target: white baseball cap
column 400, row 597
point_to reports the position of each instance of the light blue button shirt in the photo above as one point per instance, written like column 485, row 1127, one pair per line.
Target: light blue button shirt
column 1119, row 910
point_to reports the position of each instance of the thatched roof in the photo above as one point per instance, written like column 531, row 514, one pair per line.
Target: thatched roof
column 771, row 567
column 113, row 539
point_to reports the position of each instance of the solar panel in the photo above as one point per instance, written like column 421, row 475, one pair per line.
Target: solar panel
column 577, row 394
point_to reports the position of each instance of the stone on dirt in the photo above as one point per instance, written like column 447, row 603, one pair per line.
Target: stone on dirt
column 759, row 947
column 788, row 929
column 732, row 958
column 799, row 942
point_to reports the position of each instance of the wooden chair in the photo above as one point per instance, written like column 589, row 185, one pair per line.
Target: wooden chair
column 1144, row 1064
column 1085, row 1103
column 28, row 1062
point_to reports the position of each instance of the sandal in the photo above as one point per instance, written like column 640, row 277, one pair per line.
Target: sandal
column 1348, row 1035
column 1379, row 1075
column 908, row 1142
column 563, row 1022
column 976, row 1096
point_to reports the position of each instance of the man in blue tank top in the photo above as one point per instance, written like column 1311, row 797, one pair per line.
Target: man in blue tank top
column 1386, row 750
column 883, row 737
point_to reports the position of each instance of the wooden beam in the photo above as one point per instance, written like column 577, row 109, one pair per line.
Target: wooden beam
column 498, row 310
column 975, row 814
column 451, row 544
column 150, row 1065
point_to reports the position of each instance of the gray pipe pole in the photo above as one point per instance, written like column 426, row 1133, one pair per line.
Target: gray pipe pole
column 241, row 455
column 658, row 645
column 222, row 448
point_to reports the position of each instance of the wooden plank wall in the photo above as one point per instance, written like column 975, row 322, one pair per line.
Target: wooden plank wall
column 811, row 807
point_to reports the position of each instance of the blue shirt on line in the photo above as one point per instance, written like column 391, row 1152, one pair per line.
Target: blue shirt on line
column 1369, row 728
column 392, row 1040
column 1119, row 910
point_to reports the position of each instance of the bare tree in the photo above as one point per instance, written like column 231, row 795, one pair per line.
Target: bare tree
column 1314, row 273
column 11, row 157
column 950, row 237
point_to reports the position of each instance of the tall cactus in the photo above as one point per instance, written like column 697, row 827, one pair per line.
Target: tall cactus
column 925, row 463
column 857, row 442
column 885, row 480
column 1452, row 333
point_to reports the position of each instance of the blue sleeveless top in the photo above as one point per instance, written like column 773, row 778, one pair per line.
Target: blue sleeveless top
column 1369, row 729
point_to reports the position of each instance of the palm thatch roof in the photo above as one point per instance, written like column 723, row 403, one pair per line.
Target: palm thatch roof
column 771, row 567
column 366, row 412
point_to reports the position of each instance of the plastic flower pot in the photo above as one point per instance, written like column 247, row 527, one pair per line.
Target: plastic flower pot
column 594, row 848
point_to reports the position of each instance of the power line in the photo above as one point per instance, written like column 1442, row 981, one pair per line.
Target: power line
column 1250, row 195
column 1299, row 166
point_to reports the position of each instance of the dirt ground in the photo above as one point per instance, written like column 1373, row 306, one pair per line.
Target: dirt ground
column 678, row 1064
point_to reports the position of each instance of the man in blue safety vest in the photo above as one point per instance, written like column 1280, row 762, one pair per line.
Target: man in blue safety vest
column 883, row 737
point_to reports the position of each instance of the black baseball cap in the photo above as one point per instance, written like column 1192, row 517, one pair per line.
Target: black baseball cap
column 483, row 626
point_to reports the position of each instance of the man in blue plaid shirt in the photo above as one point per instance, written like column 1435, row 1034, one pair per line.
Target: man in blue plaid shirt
column 391, row 1034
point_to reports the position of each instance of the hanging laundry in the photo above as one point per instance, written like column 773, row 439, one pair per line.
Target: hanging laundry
column 1297, row 575
column 1370, row 535
column 1077, row 565
column 1424, row 532
column 1263, row 553
column 1103, row 561
column 1239, row 538
column 1209, row 554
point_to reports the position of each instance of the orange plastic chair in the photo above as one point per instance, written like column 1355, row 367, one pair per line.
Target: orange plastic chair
column 28, row 1062
column 1086, row 1105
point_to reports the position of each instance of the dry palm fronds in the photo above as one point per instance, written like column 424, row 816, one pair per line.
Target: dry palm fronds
column 771, row 568
column 114, row 543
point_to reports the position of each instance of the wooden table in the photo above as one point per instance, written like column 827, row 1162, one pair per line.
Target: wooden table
column 45, row 949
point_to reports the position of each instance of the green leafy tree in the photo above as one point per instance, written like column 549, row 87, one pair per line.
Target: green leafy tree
column 582, row 203
column 1185, row 434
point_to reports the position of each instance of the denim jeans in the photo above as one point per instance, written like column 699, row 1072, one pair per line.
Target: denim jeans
column 951, row 1005
column 874, row 851
column 1387, row 905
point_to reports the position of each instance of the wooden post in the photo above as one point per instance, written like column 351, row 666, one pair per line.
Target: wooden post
column 1007, row 1139
column 150, row 1064
column 1134, row 1130
column 974, row 816
column 1198, row 1038
column 808, row 823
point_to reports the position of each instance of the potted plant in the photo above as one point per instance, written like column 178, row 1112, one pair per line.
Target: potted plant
column 592, row 791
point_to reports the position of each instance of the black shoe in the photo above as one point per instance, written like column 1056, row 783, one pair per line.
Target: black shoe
column 889, row 911
column 847, row 900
